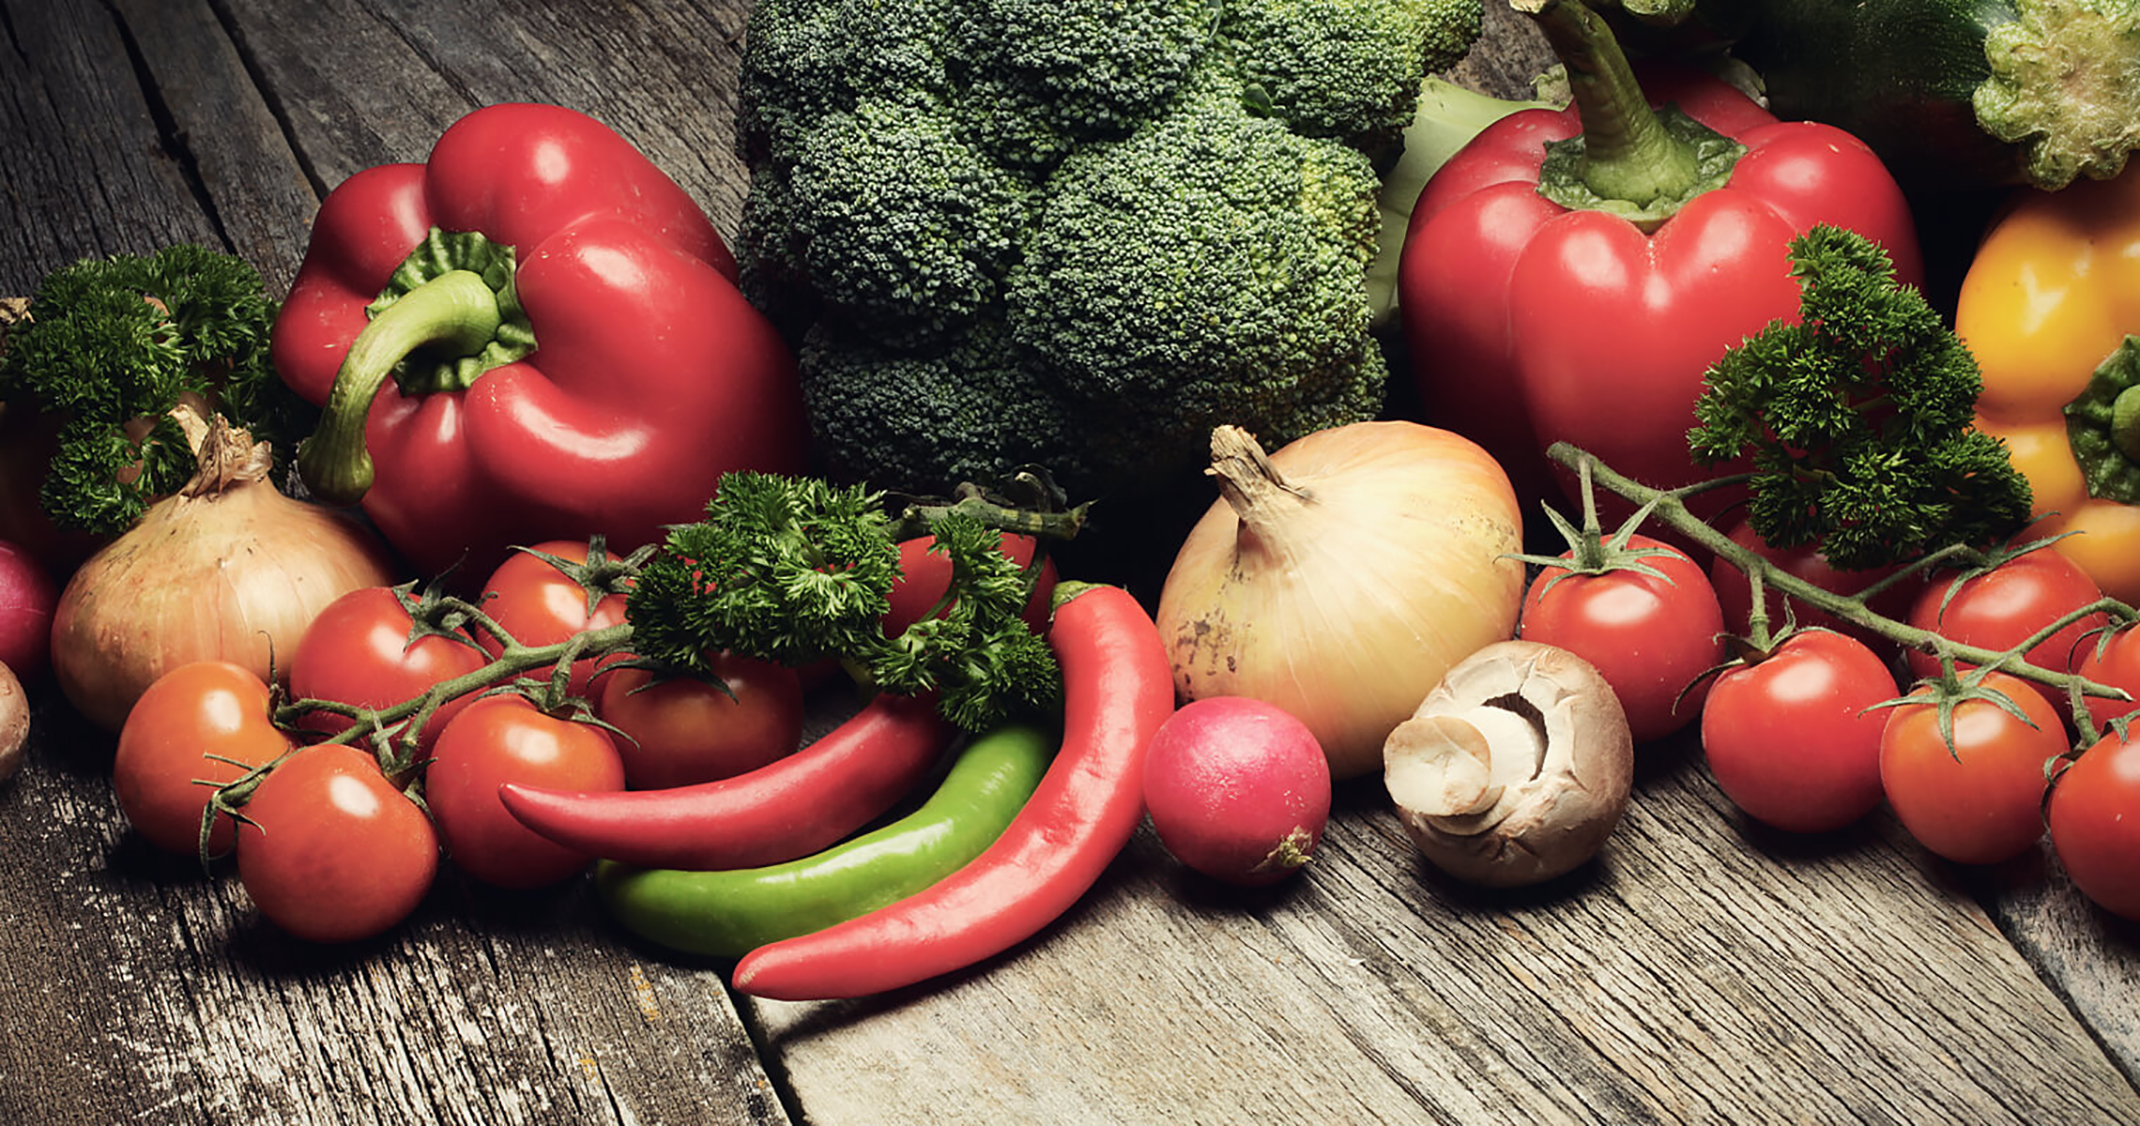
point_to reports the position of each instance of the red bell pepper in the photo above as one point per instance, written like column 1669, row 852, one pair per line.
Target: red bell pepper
column 1570, row 275
column 536, row 335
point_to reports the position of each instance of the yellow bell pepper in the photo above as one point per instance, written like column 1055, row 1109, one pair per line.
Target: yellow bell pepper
column 2051, row 309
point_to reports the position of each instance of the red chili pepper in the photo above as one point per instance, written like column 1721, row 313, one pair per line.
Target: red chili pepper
column 1117, row 689
column 1537, row 310
column 790, row 808
column 536, row 335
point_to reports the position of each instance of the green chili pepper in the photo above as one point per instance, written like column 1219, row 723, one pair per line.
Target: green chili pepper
column 729, row 913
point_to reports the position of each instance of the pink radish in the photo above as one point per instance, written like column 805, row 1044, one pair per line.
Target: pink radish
column 1238, row 789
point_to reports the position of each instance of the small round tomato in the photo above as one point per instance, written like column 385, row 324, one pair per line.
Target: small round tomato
column 2094, row 816
column 1650, row 637
column 358, row 651
column 1979, row 801
column 2003, row 606
column 541, row 605
column 500, row 739
column 685, row 730
column 178, row 734
column 2112, row 661
column 330, row 851
column 1789, row 738
column 1736, row 594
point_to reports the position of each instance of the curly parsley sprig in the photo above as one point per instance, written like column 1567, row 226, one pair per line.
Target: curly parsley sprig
column 1856, row 418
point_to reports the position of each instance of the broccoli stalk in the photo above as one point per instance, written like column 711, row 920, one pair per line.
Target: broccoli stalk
column 109, row 347
column 1857, row 417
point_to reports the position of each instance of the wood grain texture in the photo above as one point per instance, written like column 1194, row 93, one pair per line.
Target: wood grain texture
column 138, row 988
column 1700, row 973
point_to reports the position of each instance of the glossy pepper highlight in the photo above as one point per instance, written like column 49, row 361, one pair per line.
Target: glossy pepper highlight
column 726, row 914
column 1569, row 275
column 2050, row 306
column 1117, row 690
column 788, row 808
column 535, row 335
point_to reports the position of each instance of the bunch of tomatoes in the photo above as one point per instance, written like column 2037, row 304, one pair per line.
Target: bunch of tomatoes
column 1810, row 734
column 339, row 841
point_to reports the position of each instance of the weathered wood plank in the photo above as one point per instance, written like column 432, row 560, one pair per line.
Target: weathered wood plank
column 386, row 77
column 1697, row 974
column 136, row 987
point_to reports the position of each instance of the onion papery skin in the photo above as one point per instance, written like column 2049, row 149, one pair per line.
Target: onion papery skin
column 234, row 573
column 1345, row 596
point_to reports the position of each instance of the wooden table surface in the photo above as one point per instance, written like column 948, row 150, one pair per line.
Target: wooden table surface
column 1702, row 971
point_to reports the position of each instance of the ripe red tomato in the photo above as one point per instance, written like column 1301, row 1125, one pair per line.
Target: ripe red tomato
column 2114, row 662
column 1736, row 595
column 1789, row 739
column 1980, row 801
column 924, row 575
column 2094, row 815
column 685, row 730
column 500, row 739
column 187, row 720
column 331, row 851
column 358, row 652
column 2003, row 606
column 1649, row 637
column 541, row 605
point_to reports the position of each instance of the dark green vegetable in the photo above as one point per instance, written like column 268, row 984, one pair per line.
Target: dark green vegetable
column 1858, row 418
column 1953, row 94
column 1077, row 232
column 797, row 570
column 729, row 913
column 111, row 345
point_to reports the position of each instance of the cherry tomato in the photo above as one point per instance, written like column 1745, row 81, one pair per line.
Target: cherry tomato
column 500, row 739
column 331, row 851
column 2115, row 662
column 924, row 575
column 188, row 720
column 1789, row 739
column 2094, row 815
column 1649, row 637
column 685, row 730
column 1980, row 801
column 1736, row 595
column 541, row 605
column 358, row 652
column 2003, row 606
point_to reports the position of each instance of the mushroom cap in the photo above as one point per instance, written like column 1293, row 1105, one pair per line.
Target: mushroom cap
column 1515, row 768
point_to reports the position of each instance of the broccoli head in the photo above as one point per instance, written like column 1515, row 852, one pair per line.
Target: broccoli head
column 1079, row 233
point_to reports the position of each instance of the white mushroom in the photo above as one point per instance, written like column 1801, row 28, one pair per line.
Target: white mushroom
column 1515, row 768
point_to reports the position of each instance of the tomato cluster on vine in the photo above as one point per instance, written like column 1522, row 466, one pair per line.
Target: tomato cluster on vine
column 341, row 818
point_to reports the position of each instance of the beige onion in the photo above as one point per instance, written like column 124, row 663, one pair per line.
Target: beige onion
column 228, row 568
column 1340, row 577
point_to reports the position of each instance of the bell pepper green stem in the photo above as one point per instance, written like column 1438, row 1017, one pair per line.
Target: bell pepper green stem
column 1628, row 154
column 455, row 312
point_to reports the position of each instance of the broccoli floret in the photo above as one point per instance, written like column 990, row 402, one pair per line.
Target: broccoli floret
column 1244, row 301
column 1048, row 75
column 905, row 230
column 960, row 411
column 111, row 345
column 1342, row 68
column 1075, row 232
